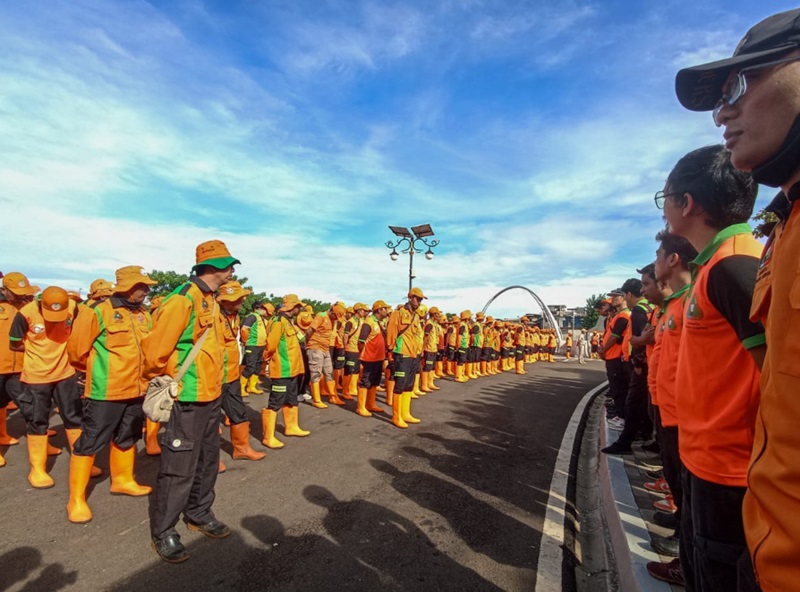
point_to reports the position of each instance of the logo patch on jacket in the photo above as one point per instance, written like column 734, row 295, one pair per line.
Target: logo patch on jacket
column 693, row 311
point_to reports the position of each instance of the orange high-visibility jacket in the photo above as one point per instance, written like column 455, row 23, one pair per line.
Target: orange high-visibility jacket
column 230, row 330
column 283, row 348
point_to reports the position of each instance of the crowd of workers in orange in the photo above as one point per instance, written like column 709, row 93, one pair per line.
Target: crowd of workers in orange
column 93, row 361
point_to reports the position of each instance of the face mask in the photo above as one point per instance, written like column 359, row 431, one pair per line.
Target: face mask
column 777, row 170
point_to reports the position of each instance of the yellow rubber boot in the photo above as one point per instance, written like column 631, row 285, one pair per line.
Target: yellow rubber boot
column 417, row 391
column 362, row 403
column 390, row 393
column 440, row 369
column 120, row 463
column 316, row 399
column 79, row 469
column 334, row 398
column 355, row 379
column 152, row 447
column 5, row 439
column 397, row 411
column 2, row 460
column 72, row 435
column 252, row 385
column 240, row 438
column 347, row 380
column 338, row 374
column 460, row 377
column 406, row 409
column 268, row 419
column 432, row 385
column 521, row 367
column 243, row 382
column 291, row 417
column 483, row 369
column 423, row 383
column 372, row 405
column 37, row 456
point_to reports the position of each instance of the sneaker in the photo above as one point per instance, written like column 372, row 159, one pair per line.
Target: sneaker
column 654, row 474
column 305, row 397
column 657, row 486
column 665, row 505
column 651, row 465
column 667, row 572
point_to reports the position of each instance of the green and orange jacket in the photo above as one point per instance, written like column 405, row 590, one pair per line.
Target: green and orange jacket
column 373, row 339
column 352, row 329
column 283, row 348
column 254, row 330
column 179, row 322
column 45, row 358
column 404, row 333
column 106, row 343
column 10, row 360
column 477, row 335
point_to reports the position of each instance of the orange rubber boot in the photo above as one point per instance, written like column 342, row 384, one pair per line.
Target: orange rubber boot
column 315, row 396
column 291, row 427
column 347, row 380
column 268, row 419
column 333, row 397
column 120, row 463
column 240, row 438
column 5, row 439
column 152, row 447
column 80, row 468
column 390, row 393
column 362, row 403
column 72, row 435
column 37, row 455
column 372, row 405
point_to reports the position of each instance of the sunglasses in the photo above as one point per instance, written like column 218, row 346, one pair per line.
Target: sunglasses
column 737, row 86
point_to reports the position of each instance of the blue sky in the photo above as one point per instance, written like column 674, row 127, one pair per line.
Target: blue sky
column 530, row 135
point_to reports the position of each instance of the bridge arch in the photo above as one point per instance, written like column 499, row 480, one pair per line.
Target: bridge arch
column 545, row 311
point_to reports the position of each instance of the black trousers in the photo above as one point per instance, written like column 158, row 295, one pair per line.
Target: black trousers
column 405, row 371
column 712, row 534
column 252, row 360
column 636, row 416
column 673, row 467
column 617, row 384
column 36, row 401
column 461, row 358
column 104, row 421
column 338, row 357
column 189, row 464
column 232, row 402
column 430, row 361
column 10, row 389
column 352, row 363
column 371, row 376
column 284, row 391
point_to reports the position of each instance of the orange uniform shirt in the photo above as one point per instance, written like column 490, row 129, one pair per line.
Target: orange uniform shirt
column 106, row 343
column 324, row 333
column 45, row 358
column 230, row 330
column 669, row 336
column 654, row 353
column 717, row 392
column 352, row 328
column 374, row 340
column 772, row 503
column 404, row 333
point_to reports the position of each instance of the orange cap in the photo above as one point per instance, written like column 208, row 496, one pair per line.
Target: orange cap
column 130, row 276
column 416, row 292
column 360, row 306
column 465, row 314
column 100, row 288
column 19, row 284
column 73, row 295
column 433, row 310
column 290, row 302
column 55, row 304
column 339, row 310
column 304, row 320
column 379, row 304
column 270, row 308
column 215, row 254
column 350, row 309
column 232, row 291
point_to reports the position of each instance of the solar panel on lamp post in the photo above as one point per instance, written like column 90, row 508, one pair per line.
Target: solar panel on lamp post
column 411, row 241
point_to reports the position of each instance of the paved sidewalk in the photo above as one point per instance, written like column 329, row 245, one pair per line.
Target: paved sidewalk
column 629, row 514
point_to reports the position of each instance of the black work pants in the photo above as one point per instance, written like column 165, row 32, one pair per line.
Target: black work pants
column 283, row 392
column 712, row 534
column 232, row 402
column 37, row 400
column 617, row 384
column 10, row 389
column 252, row 360
column 371, row 375
column 104, row 421
column 189, row 464
column 405, row 371
column 673, row 467
column 352, row 363
column 636, row 417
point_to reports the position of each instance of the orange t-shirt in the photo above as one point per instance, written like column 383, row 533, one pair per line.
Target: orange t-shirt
column 45, row 360
column 10, row 360
column 666, row 374
column 323, row 334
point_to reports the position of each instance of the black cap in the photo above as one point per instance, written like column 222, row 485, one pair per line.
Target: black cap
column 616, row 292
column 699, row 88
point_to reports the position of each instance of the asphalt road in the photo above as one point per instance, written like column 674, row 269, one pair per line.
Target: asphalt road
column 453, row 503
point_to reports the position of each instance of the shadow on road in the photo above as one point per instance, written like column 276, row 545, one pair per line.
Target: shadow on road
column 22, row 563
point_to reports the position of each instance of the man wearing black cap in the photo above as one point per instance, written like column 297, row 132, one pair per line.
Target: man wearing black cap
column 755, row 96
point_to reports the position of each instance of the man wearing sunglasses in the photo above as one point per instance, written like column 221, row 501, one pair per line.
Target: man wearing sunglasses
column 755, row 96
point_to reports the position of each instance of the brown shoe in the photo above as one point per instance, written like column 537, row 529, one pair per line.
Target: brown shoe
column 667, row 572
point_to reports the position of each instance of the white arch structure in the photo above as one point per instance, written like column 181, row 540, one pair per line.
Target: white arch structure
column 545, row 311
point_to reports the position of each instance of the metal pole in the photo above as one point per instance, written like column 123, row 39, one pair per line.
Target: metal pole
column 410, row 268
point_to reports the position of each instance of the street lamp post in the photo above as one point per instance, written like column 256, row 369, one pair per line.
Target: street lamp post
column 409, row 242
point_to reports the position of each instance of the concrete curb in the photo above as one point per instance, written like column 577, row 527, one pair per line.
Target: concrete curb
column 630, row 538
